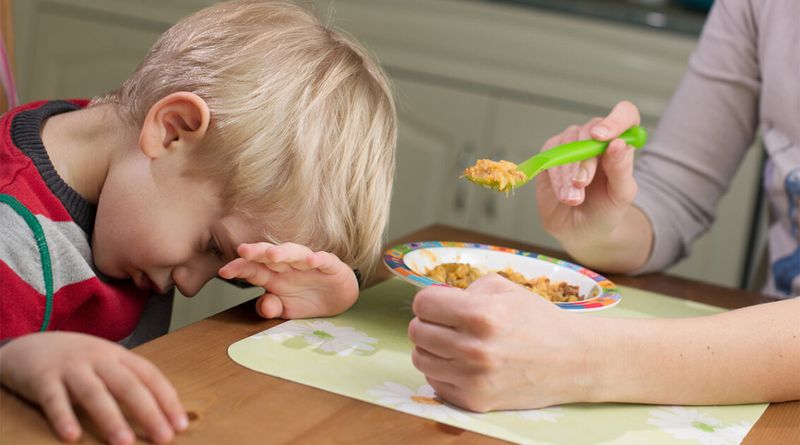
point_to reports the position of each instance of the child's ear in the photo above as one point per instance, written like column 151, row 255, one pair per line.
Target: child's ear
column 179, row 120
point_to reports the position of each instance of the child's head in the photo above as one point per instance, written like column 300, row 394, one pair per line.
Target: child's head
column 302, row 122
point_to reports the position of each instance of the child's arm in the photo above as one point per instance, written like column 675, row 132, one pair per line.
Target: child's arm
column 59, row 369
column 492, row 346
column 298, row 282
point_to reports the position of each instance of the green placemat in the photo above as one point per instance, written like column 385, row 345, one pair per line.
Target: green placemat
column 364, row 354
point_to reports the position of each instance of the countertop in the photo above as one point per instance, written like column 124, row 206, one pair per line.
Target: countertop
column 662, row 15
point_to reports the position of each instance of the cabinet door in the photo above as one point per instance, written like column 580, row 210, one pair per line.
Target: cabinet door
column 74, row 56
column 439, row 132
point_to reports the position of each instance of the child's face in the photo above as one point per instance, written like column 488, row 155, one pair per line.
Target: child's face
column 161, row 229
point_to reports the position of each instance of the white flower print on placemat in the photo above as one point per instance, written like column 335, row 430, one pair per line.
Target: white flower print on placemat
column 691, row 424
column 422, row 402
column 543, row 414
column 323, row 336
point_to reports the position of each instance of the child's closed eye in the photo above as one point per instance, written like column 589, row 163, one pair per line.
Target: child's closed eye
column 213, row 247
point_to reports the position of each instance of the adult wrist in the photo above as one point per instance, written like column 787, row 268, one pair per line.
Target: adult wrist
column 604, row 355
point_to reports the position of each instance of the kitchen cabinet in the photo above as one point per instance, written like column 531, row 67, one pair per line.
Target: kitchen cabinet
column 472, row 79
column 440, row 132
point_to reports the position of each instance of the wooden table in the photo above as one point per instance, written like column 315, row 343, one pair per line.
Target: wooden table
column 234, row 405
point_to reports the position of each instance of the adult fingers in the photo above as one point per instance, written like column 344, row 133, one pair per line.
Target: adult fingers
column 89, row 392
column 618, row 165
column 440, row 304
column 561, row 177
column 54, row 400
column 491, row 284
column 137, row 399
column 163, row 391
column 269, row 306
column 449, row 393
column 624, row 115
column 436, row 339
column 586, row 170
column 432, row 365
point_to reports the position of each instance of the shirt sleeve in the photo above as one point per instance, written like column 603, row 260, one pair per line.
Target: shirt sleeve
column 703, row 135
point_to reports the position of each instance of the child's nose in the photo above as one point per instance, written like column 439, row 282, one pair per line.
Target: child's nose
column 189, row 280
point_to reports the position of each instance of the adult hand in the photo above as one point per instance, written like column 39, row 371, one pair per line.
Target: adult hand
column 496, row 345
column 58, row 369
column 581, row 199
column 298, row 282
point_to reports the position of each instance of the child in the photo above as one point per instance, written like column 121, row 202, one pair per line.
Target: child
column 250, row 143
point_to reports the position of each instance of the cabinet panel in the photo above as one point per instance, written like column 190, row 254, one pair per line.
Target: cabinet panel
column 73, row 57
column 439, row 132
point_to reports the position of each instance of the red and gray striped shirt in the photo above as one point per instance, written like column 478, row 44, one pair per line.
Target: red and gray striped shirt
column 47, row 277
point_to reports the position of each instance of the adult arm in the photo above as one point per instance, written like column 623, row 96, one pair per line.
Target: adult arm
column 493, row 346
column 680, row 175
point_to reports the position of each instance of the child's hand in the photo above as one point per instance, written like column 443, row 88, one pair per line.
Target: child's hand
column 495, row 345
column 59, row 369
column 299, row 283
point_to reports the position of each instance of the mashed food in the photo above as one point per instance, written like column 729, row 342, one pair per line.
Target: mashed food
column 461, row 275
column 500, row 175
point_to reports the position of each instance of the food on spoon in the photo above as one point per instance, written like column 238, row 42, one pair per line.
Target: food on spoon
column 499, row 175
column 461, row 275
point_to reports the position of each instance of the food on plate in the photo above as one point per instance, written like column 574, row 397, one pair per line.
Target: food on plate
column 461, row 275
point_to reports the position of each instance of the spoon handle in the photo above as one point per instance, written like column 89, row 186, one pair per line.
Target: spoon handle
column 578, row 151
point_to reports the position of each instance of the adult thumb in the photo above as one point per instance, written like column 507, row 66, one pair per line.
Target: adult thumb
column 617, row 163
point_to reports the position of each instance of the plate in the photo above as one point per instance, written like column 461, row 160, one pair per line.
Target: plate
column 410, row 261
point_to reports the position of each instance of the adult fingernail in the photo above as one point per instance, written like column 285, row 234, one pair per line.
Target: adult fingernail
column 600, row 131
column 574, row 194
column 582, row 175
column 563, row 194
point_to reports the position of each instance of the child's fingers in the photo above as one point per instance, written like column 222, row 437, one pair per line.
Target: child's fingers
column 326, row 263
column 89, row 392
column 254, row 250
column 282, row 253
column 256, row 274
column 163, row 391
column 131, row 393
column 269, row 306
column 54, row 400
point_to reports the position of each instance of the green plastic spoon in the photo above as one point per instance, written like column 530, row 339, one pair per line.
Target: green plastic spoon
column 561, row 155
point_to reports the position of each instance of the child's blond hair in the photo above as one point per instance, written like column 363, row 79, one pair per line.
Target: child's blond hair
column 303, row 124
